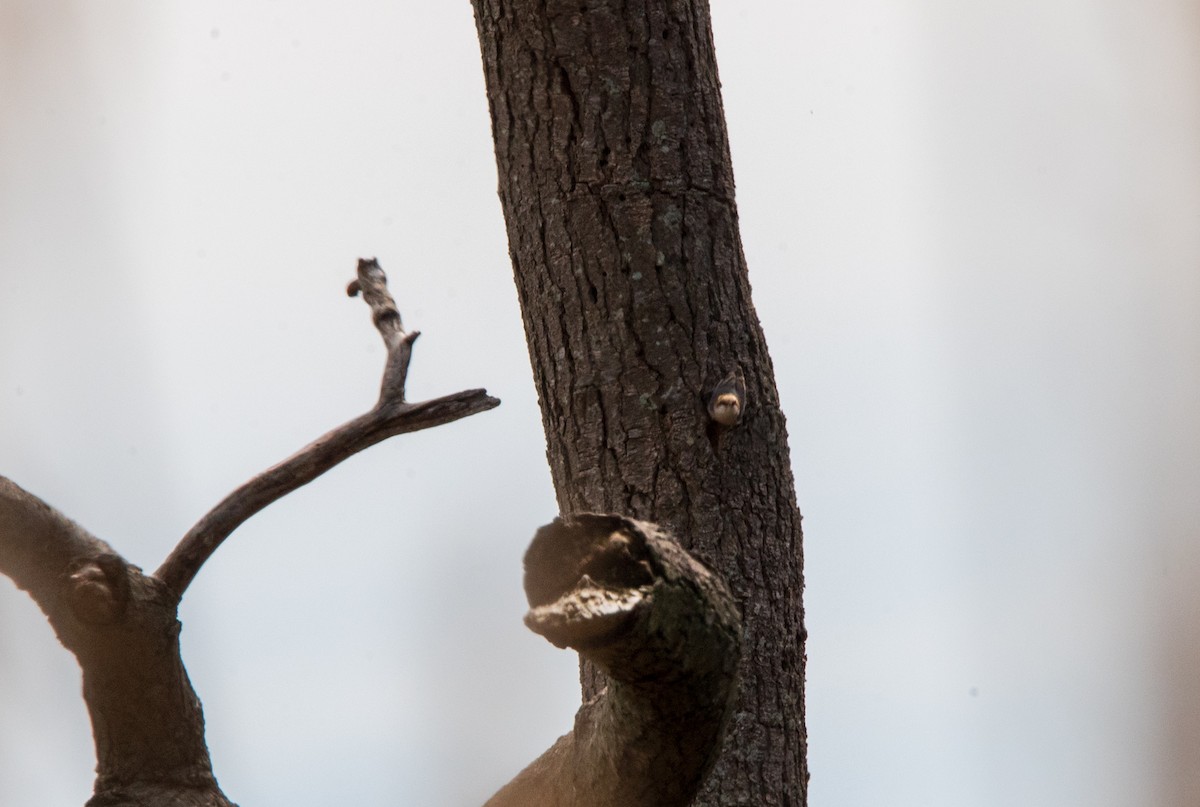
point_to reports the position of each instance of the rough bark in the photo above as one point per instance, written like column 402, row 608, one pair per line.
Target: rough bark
column 121, row 624
column 664, row 633
column 617, row 191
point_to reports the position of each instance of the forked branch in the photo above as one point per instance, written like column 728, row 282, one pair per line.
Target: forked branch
column 390, row 416
column 121, row 624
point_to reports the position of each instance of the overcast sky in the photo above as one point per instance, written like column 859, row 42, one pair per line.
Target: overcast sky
column 973, row 232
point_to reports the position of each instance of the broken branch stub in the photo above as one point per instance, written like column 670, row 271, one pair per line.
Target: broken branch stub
column 665, row 631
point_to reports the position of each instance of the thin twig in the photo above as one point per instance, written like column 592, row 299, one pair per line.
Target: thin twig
column 391, row 416
column 372, row 283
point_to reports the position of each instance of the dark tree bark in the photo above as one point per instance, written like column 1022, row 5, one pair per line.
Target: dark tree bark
column 656, row 388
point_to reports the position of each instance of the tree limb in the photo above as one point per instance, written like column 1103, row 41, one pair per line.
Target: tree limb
column 391, row 416
column 38, row 544
column 121, row 624
column 666, row 633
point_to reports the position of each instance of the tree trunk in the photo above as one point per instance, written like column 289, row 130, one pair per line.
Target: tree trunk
column 617, row 190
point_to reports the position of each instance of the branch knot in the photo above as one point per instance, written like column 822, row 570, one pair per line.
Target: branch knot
column 97, row 589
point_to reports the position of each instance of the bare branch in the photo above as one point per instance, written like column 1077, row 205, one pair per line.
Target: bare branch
column 391, row 416
column 121, row 626
column 38, row 544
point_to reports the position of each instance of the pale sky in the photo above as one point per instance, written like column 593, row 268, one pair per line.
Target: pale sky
column 973, row 232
